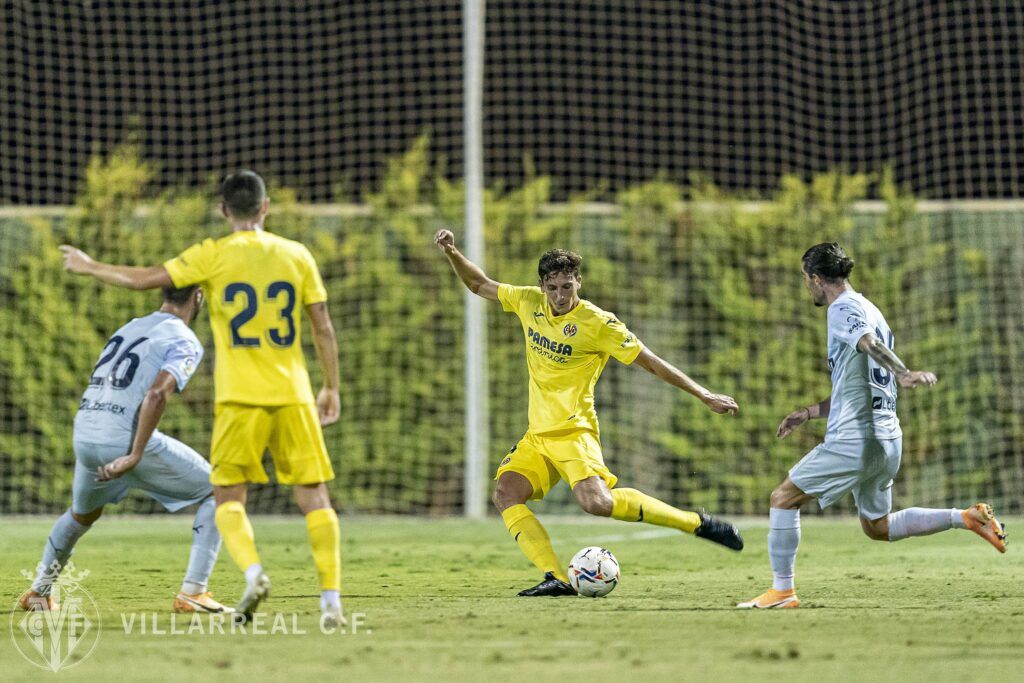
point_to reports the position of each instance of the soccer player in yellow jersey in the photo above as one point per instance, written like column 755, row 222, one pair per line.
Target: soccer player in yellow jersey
column 568, row 343
column 257, row 285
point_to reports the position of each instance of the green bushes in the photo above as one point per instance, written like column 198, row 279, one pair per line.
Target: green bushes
column 710, row 283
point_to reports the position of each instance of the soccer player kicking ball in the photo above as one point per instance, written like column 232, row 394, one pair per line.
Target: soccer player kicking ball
column 118, row 448
column 257, row 285
column 863, row 440
column 568, row 343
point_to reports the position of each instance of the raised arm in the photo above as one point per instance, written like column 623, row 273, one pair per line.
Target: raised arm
column 129, row 277
column 150, row 412
column 665, row 371
column 328, row 401
column 470, row 274
column 884, row 356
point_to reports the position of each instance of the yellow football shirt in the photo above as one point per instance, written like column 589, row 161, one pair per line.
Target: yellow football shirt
column 256, row 286
column 566, row 355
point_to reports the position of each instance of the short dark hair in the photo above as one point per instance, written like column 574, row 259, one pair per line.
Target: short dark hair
column 243, row 193
column 178, row 296
column 556, row 261
column 829, row 261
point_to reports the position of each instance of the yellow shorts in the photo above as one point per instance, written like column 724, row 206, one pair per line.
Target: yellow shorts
column 544, row 460
column 241, row 434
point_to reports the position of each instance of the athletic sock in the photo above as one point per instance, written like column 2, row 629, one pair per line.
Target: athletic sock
column 532, row 539
column 252, row 572
column 330, row 600
column 205, row 547
column 783, row 542
column 325, row 540
column 630, row 505
column 65, row 533
column 922, row 522
column 236, row 530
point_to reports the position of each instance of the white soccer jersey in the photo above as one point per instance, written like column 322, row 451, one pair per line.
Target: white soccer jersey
column 863, row 393
column 127, row 366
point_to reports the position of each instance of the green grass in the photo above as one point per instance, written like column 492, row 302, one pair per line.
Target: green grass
column 438, row 598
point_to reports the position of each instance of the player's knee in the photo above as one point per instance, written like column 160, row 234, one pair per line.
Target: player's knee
column 781, row 499
column 87, row 518
column 598, row 503
column 876, row 530
column 505, row 497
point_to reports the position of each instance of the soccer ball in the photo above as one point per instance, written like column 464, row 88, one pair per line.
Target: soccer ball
column 594, row 572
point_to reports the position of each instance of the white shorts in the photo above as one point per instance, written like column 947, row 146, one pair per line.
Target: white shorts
column 170, row 472
column 864, row 467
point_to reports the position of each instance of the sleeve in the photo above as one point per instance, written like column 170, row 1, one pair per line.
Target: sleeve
column 181, row 358
column 848, row 322
column 511, row 297
column 617, row 341
column 194, row 265
column 313, row 290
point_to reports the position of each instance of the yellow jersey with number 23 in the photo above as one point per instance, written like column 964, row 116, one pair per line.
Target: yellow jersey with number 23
column 566, row 355
column 256, row 286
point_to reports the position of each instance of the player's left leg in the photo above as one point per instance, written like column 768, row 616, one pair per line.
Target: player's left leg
column 240, row 436
column 176, row 476
column 874, row 501
column 631, row 505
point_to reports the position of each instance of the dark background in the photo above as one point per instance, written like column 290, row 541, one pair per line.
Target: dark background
column 317, row 95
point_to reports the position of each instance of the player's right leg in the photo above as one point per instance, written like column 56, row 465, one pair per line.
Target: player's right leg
column 301, row 460
column 65, row 533
column 524, row 475
column 783, row 543
column 88, row 496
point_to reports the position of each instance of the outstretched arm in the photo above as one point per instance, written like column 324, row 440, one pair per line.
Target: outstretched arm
column 470, row 274
column 665, row 371
column 129, row 277
column 150, row 412
column 328, row 401
column 884, row 356
column 801, row 415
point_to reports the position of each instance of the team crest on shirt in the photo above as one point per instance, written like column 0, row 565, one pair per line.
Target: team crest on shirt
column 570, row 330
column 188, row 366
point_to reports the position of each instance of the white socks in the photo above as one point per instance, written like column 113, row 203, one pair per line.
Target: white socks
column 205, row 547
column 783, row 541
column 65, row 533
column 922, row 522
column 252, row 572
column 330, row 601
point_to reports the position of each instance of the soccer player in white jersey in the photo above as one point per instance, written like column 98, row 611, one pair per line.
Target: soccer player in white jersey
column 118, row 448
column 863, row 440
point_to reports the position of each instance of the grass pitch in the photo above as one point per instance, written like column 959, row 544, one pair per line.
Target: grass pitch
column 438, row 599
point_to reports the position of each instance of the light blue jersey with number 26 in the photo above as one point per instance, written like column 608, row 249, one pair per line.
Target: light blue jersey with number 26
column 127, row 367
column 863, row 393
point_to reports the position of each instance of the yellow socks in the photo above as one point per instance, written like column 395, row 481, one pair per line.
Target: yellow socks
column 631, row 505
column 533, row 540
column 325, row 540
column 235, row 529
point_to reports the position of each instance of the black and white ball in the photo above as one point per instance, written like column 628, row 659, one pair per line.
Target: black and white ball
column 594, row 572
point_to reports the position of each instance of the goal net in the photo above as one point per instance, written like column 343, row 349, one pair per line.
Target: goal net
column 638, row 134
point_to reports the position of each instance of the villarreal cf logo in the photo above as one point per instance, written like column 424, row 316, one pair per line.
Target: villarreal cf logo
column 569, row 330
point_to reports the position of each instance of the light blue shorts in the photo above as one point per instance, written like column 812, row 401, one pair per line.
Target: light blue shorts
column 170, row 472
column 864, row 467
